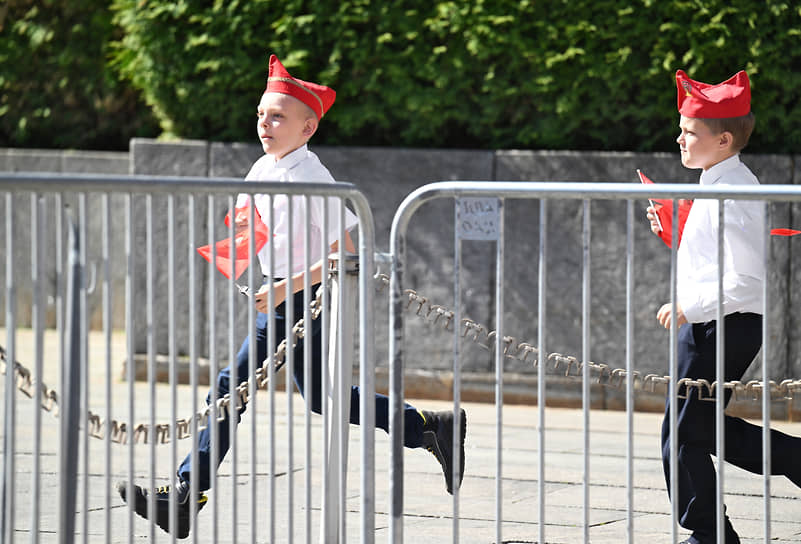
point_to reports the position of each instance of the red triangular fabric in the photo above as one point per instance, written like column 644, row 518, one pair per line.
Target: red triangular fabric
column 664, row 210
column 241, row 243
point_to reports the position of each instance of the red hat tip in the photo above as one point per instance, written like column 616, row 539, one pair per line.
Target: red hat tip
column 318, row 97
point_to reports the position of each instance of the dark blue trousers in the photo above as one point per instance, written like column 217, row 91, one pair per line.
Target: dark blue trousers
column 413, row 421
column 696, row 426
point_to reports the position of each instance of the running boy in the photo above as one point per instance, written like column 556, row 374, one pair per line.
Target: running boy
column 288, row 115
column 716, row 123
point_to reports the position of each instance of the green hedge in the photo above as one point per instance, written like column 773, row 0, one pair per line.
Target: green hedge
column 579, row 74
column 56, row 87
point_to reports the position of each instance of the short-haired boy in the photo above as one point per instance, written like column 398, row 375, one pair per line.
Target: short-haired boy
column 289, row 112
column 716, row 123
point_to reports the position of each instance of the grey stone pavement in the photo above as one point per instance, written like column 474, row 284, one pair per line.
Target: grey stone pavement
column 428, row 509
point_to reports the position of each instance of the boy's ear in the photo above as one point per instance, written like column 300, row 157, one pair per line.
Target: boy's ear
column 725, row 139
column 309, row 127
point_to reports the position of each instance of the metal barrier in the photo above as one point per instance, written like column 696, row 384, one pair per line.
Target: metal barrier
column 479, row 215
column 34, row 464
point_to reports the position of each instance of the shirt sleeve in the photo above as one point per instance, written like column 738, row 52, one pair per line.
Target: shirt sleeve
column 333, row 217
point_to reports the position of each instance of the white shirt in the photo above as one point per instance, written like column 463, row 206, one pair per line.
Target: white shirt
column 299, row 165
column 743, row 243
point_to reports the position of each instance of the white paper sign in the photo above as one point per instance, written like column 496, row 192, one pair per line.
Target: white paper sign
column 477, row 218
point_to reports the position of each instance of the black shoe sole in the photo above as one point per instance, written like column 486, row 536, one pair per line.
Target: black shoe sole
column 162, row 510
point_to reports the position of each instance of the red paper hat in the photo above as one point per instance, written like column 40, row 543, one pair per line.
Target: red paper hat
column 318, row 97
column 732, row 98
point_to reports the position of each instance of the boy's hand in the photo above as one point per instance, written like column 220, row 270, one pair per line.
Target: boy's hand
column 650, row 213
column 664, row 314
column 241, row 223
column 260, row 298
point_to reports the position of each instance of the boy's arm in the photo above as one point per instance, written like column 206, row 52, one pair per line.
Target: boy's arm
column 296, row 282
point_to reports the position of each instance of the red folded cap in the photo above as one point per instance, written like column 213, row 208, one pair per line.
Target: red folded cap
column 318, row 97
column 732, row 98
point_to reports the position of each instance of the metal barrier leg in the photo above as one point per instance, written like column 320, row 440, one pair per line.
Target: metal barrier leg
column 72, row 379
column 339, row 375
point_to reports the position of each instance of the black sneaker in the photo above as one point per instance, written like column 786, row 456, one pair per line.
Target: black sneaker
column 162, row 496
column 438, row 439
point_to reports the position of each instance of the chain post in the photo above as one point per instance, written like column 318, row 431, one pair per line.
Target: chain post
column 340, row 375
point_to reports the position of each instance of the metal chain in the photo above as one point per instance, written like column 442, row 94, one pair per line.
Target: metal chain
column 603, row 374
column 434, row 315
column 141, row 432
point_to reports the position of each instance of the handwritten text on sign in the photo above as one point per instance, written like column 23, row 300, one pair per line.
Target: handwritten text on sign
column 477, row 218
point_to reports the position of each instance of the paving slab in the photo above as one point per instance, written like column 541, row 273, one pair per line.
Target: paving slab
column 428, row 509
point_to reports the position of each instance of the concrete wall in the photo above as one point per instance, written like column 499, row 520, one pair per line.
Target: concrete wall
column 386, row 176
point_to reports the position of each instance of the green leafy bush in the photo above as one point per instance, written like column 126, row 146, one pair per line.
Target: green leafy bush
column 56, row 88
column 553, row 74
column 490, row 74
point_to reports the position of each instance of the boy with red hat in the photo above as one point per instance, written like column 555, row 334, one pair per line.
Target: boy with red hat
column 289, row 112
column 716, row 123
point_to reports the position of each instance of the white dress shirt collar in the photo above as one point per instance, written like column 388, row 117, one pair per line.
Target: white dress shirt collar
column 713, row 175
column 292, row 158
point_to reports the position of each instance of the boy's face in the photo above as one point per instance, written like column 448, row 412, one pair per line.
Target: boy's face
column 700, row 146
column 284, row 124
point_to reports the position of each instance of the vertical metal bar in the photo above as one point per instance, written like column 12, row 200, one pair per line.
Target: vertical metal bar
column 68, row 469
column 499, row 364
column 289, row 316
column 542, row 361
column 324, row 385
column 193, row 376
column 37, row 311
column 151, row 372
column 129, row 339
column 9, row 429
column 398, row 253
column 107, row 325
column 271, row 341
column 672, row 389
column 367, row 378
column 214, row 431
column 60, row 302
column 766, row 392
column 232, row 366
column 84, row 359
column 307, row 372
column 585, row 355
column 630, row 372
column 344, row 331
column 720, row 368
column 457, row 345
column 172, row 349
column 339, row 370
column 9, row 432
column 253, row 364
column 60, row 288
column 329, row 527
